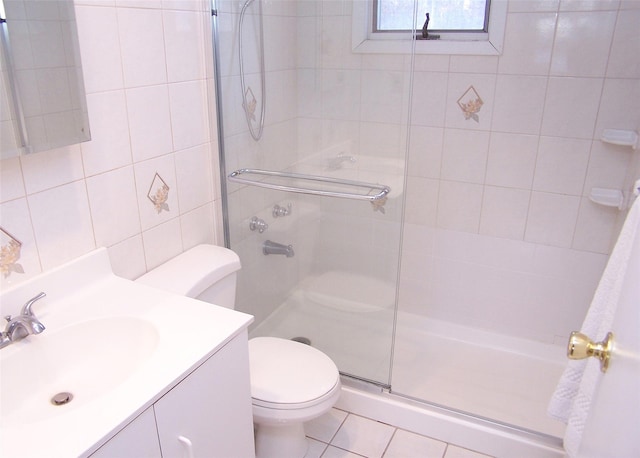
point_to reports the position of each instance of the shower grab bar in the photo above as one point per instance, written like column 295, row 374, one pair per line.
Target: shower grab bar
column 242, row 176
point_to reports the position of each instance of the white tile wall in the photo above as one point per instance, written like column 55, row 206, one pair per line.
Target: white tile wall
column 569, row 69
column 553, row 96
column 142, row 48
column 552, row 219
column 625, row 35
column 504, row 212
column 578, row 50
column 61, row 223
column 571, row 107
column 459, row 206
column 464, row 155
column 593, row 230
column 113, row 198
column 518, row 104
column 185, row 44
column 561, row 166
column 528, row 44
column 429, row 96
column 189, row 114
column 194, row 177
column 508, row 286
column 11, row 183
column 427, row 144
column 608, row 166
column 110, row 145
column 145, row 73
column 619, row 97
column 101, row 56
column 149, row 121
column 512, row 160
column 57, row 167
column 162, row 242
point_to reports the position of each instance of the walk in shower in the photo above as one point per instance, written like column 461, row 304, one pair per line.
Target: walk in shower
column 400, row 211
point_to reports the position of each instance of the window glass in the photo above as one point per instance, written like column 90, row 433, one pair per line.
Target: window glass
column 444, row 15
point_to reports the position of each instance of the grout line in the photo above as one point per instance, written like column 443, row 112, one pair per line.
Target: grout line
column 395, row 430
column 341, row 425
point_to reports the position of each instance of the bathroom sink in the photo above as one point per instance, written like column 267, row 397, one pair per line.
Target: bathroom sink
column 86, row 359
column 115, row 345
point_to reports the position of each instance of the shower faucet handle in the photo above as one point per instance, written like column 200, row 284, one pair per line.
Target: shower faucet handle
column 279, row 211
column 259, row 224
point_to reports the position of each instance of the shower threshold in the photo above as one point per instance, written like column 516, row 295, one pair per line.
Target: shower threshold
column 442, row 423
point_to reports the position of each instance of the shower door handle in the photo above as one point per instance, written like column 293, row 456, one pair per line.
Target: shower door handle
column 580, row 346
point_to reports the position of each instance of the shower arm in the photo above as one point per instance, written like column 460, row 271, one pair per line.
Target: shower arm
column 255, row 135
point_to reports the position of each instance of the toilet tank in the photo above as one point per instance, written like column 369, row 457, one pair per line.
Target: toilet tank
column 205, row 272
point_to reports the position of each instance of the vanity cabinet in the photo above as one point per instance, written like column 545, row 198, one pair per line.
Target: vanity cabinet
column 138, row 439
column 207, row 415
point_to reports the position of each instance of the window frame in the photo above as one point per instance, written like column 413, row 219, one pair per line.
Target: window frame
column 365, row 40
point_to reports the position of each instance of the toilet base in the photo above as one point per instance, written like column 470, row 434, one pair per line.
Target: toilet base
column 281, row 440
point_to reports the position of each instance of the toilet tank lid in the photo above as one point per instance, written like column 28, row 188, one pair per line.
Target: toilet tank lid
column 193, row 271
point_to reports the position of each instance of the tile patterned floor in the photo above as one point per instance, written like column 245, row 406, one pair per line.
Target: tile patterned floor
column 340, row 434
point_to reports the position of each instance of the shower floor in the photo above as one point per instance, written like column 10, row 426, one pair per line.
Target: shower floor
column 355, row 330
column 496, row 377
column 500, row 378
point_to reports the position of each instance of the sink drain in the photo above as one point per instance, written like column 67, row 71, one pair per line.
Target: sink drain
column 302, row 340
column 61, row 399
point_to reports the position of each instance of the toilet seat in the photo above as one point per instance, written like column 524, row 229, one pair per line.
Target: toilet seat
column 289, row 375
column 300, row 405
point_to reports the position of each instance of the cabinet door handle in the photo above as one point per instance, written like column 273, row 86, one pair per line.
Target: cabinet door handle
column 188, row 446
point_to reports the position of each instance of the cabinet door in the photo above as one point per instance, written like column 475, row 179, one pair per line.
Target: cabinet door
column 139, row 439
column 208, row 415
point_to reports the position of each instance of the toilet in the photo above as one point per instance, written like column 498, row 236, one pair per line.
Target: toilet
column 291, row 382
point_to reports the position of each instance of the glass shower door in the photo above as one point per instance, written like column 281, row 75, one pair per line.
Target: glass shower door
column 316, row 268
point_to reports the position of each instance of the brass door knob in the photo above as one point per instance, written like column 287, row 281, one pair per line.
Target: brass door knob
column 580, row 347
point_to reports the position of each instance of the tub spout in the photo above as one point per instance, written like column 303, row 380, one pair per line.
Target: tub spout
column 270, row 247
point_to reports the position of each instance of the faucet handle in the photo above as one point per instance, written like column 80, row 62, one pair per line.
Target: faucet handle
column 26, row 308
column 279, row 211
column 8, row 318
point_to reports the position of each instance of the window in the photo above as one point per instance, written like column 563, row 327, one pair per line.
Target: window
column 444, row 15
column 474, row 27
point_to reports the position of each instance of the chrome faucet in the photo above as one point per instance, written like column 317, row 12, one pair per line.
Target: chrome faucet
column 269, row 247
column 22, row 325
column 335, row 163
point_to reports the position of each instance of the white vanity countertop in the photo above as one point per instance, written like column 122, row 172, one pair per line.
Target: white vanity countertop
column 184, row 333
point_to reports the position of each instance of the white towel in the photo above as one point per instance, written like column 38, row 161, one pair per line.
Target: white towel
column 571, row 401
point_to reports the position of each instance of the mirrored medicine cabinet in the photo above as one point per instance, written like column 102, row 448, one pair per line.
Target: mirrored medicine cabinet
column 42, row 97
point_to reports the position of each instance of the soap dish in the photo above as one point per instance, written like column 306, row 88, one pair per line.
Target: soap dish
column 620, row 137
column 607, row 197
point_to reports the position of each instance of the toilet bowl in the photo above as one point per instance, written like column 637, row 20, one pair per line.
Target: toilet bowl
column 291, row 382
